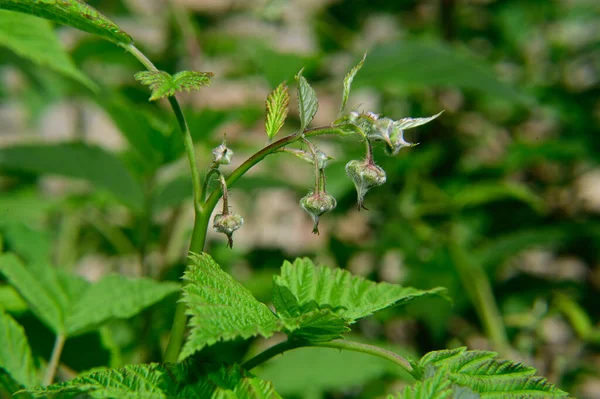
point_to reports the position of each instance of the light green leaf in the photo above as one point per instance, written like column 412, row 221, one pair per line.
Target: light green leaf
column 42, row 289
column 73, row 13
column 76, row 160
column 307, row 101
column 414, row 63
column 165, row 381
column 348, row 82
column 350, row 297
column 164, row 84
column 221, row 309
column 277, row 109
column 487, row 376
column 11, row 300
column 434, row 387
column 15, row 355
column 33, row 38
column 409, row 123
column 115, row 297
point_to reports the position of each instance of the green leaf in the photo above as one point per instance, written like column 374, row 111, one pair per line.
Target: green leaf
column 350, row 297
column 115, row 297
column 164, row 84
column 70, row 305
column 348, row 82
column 307, row 101
column 320, row 325
column 34, row 39
column 487, row 376
column 221, row 309
column 277, row 109
column 15, row 355
column 76, row 160
column 434, row 387
column 73, row 13
column 423, row 64
column 165, row 381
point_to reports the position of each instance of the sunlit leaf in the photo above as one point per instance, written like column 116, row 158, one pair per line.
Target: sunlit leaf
column 277, row 109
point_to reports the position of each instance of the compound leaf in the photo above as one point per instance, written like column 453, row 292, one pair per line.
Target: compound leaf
column 15, row 354
column 73, row 13
column 75, row 160
column 115, row 297
column 221, row 309
column 486, row 376
column 303, row 287
column 277, row 109
column 164, row 381
column 348, row 82
column 34, row 39
column 164, row 84
column 307, row 101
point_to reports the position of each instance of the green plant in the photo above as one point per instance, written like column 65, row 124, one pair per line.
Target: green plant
column 314, row 305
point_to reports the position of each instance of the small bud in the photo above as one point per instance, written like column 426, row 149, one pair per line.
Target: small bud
column 316, row 204
column 365, row 176
column 222, row 154
column 227, row 224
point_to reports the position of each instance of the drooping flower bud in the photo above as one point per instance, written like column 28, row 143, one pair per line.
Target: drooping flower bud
column 222, row 154
column 316, row 204
column 227, row 224
column 365, row 176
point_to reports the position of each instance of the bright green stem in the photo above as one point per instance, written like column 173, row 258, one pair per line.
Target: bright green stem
column 479, row 289
column 59, row 344
column 336, row 344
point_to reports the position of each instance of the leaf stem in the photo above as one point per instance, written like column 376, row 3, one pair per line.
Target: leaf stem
column 59, row 344
column 341, row 344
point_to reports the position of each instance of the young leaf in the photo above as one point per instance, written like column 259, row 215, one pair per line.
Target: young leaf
column 115, row 297
column 221, row 309
column 307, row 101
column 409, row 123
column 487, row 376
column 73, row 13
column 434, row 387
column 76, row 160
column 15, row 355
column 165, row 381
column 164, row 84
column 34, row 39
column 277, row 109
column 350, row 297
column 348, row 82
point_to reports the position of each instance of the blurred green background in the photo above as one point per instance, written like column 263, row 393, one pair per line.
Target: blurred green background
column 500, row 202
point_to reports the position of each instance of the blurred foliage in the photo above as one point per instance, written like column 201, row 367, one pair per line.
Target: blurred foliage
column 505, row 184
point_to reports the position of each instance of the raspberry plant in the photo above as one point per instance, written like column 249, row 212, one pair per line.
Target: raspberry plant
column 314, row 306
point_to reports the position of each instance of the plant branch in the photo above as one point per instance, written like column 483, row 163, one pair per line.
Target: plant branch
column 59, row 344
column 341, row 344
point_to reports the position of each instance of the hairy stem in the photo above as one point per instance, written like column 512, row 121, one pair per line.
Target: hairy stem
column 313, row 152
column 341, row 344
column 59, row 344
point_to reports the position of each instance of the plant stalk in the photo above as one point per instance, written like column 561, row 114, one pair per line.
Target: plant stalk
column 59, row 344
column 341, row 344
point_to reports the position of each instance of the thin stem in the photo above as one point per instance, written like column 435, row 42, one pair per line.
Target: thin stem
column 313, row 152
column 336, row 344
column 369, row 156
column 59, row 344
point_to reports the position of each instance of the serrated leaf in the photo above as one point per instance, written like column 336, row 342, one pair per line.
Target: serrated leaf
column 75, row 160
column 165, row 381
column 69, row 305
column 277, row 109
column 34, row 39
column 350, row 297
column 115, row 297
column 487, row 376
column 73, row 13
column 348, row 79
column 221, row 309
column 164, row 84
column 15, row 354
column 434, row 387
column 320, row 325
column 307, row 101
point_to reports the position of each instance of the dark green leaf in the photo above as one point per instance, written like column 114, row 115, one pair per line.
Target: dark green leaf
column 307, row 101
